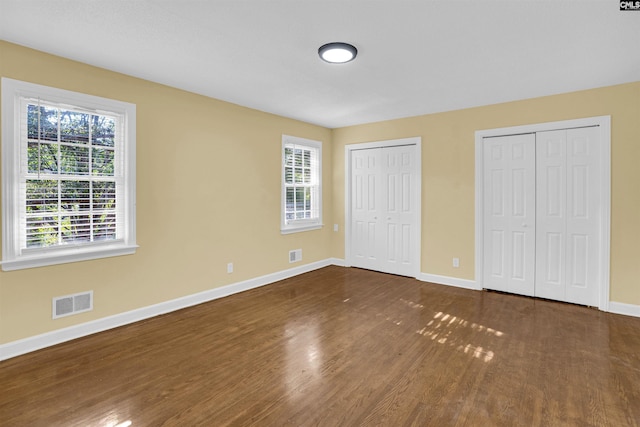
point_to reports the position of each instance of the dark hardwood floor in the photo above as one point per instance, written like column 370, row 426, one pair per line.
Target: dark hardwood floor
column 340, row 347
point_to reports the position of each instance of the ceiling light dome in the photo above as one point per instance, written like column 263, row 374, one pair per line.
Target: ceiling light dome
column 337, row 52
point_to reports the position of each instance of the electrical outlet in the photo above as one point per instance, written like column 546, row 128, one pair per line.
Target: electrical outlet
column 230, row 267
column 335, row 227
column 456, row 262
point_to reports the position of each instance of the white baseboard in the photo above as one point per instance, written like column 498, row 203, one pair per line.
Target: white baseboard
column 337, row 261
column 626, row 309
column 447, row 280
column 613, row 307
column 37, row 342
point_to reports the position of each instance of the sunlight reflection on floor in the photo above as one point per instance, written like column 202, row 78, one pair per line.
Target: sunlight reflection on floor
column 440, row 328
column 112, row 420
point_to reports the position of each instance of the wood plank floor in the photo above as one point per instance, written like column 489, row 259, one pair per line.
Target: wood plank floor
column 340, row 347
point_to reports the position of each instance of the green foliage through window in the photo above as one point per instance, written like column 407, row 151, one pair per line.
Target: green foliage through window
column 70, row 180
column 299, row 163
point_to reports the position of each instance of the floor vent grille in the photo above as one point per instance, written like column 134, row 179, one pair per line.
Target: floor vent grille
column 72, row 304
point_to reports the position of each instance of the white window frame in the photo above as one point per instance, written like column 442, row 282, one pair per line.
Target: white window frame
column 15, row 257
column 314, row 223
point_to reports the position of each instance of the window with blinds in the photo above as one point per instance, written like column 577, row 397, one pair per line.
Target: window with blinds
column 71, row 175
column 301, row 186
column 69, row 162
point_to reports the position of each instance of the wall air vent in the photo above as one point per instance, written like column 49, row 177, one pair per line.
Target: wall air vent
column 295, row 255
column 72, row 304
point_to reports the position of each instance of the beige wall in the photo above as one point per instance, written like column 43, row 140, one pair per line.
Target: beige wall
column 197, row 211
column 208, row 193
column 448, row 192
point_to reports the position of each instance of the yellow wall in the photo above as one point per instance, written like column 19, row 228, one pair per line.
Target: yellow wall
column 197, row 211
column 448, row 189
column 208, row 193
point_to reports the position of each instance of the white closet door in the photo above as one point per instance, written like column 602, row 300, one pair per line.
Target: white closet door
column 509, row 212
column 384, row 211
column 568, row 215
column 365, row 208
column 551, row 214
column 398, row 210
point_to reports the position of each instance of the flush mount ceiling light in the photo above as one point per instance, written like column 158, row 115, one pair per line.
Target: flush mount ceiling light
column 337, row 53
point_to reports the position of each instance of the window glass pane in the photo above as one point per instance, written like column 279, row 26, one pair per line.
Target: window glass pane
column 290, row 199
column 307, row 176
column 102, row 162
column 32, row 121
column 75, row 196
column 298, row 175
column 307, row 158
column 48, row 122
column 42, row 196
column 299, row 199
column 288, row 175
column 103, row 130
column 104, row 195
column 42, row 157
column 297, row 157
column 74, row 127
column 42, row 231
column 74, row 160
column 104, row 226
column 307, row 198
column 76, row 228
column 288, row 156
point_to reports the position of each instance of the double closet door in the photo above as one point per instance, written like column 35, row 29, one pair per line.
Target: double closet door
column 542, row 207
column 384, row 211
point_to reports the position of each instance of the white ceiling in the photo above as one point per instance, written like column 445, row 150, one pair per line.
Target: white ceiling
column 415, row 57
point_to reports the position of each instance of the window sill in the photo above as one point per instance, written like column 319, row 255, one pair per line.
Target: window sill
column 67, row 256
column 301, row 228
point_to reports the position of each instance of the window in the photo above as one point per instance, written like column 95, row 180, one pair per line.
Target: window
column 68, row 173
column 301, row 184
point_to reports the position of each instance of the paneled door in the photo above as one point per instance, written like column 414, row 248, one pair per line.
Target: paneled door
column 509, row 213
column 568, row 215
column 366, row 210
column 384, row 211
column 542, row 213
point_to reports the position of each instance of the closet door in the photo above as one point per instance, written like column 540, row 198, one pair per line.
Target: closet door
column 384, row 211
column 366, row 244
column 568, row 215
column 399, row 230
column 509, row 213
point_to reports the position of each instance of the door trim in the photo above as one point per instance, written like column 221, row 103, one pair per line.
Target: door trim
column 604, row 125
column 348, row 149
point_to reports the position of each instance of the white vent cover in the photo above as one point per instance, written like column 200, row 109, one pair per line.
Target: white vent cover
column 72, row 304
column 295, row 255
